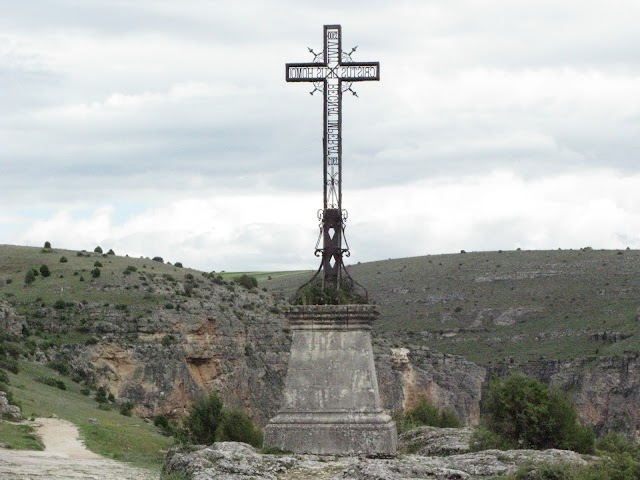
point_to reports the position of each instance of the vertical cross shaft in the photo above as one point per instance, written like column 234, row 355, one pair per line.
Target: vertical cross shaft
column 332, row 72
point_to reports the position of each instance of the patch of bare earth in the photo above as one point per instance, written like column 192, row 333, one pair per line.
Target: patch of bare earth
column 65, row 457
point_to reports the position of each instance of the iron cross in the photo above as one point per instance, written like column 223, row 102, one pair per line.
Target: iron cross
column 332, row 72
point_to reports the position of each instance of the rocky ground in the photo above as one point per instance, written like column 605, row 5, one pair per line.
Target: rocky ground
column 64, row 458
column 449, row 459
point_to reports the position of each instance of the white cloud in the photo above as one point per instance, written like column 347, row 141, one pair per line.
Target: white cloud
column 271, row 231
column 117, row 106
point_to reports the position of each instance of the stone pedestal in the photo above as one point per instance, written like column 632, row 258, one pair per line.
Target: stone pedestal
column 331, row 401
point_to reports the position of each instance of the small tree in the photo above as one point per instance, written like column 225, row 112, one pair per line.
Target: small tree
column 44, row 271
column 47, row 244
column 203, row 419
column 63, row 259
column 528, row 414
column 95, row 273
column 98, row 249
column 29, row 278
column 111, row 252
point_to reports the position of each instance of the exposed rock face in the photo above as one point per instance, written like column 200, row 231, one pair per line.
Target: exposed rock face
column 9, row 412
column 10, row 321
column 237, row 461
column 448, row 381
column 606, row 390
column 433, row 441
column 231, row 344
column 238, row 343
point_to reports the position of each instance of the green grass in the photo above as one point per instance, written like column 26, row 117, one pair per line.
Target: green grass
column 19, row 437
column 127, row 439
column 451, row 302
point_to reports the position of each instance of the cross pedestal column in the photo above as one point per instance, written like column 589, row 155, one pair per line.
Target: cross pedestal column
column 331, row 400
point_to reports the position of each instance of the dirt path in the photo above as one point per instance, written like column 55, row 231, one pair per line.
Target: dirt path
column 65, row 457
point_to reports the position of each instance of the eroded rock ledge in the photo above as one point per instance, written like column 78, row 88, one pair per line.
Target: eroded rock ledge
column 238, row 461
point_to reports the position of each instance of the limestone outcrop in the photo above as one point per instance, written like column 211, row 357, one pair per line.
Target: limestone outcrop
column 238, row 461
column 10, row 321
column 7, row 411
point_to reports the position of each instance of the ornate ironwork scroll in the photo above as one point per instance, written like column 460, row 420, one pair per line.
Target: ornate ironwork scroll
column 332, row 72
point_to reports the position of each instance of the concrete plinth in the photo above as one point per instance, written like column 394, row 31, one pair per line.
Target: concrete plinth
column 331, row 400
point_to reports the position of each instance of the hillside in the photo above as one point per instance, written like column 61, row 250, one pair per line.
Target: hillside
column 158, row 335
column 492, row 306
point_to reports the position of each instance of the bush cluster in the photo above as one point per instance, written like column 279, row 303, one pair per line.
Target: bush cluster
column 247, row 281
column 425, row 413
column 522, row 412
column 209, row 421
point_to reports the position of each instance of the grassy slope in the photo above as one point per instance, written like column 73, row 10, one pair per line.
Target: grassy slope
column 19, row 436
column 129, row 439
column 439, row 300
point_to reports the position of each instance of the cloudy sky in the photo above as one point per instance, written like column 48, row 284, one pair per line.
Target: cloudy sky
column 165, row 127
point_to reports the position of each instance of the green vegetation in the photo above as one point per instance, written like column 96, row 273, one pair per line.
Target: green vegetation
column 124, row 438
column 319, row 292
column 29, row 277
column 208, row 421
column 44, row 271
column 425, row 413
column 495, row 306
column 521, row 412
column 19, row 437
column 620, row 460
column 247, row 281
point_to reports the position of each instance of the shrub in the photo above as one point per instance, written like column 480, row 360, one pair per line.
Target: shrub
column 203, row 419
column 158, row 259
column 528, row 414
column 97, row 263
column 236, row 426
column 247, row 281
column 63, row 259
column 111, row 252
column 178, row 264
column 483, row 439
column 59, row 366
column 101, row 395
column 165, row 425
column 47, row 244
column 29, row 278
column 53, row 382
column 129, row 269
column 319, row 292
column 98, row 249
column 424, row 413
column 95, row 273
column 126, row 408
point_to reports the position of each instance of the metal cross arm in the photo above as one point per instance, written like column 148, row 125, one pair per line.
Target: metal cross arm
column 332, row 72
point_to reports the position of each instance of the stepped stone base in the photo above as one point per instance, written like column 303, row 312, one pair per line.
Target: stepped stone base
column 332, row 404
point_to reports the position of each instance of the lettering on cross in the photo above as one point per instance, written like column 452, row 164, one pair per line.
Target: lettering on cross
column 333, row 72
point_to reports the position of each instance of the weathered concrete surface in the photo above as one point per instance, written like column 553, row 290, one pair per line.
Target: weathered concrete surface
column 331, row 399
